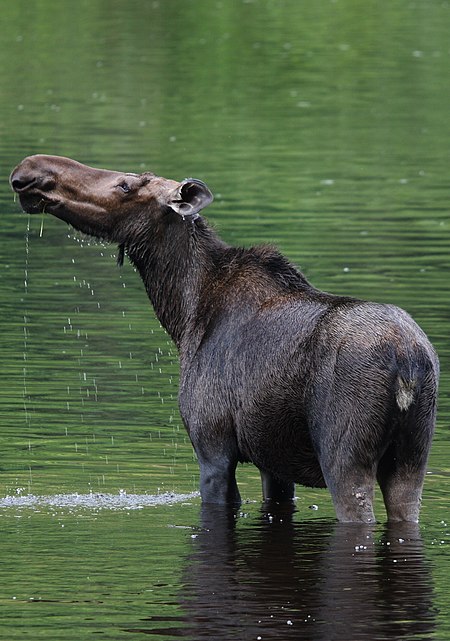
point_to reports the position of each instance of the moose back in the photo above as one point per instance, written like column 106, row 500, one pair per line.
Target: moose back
column 312, row 388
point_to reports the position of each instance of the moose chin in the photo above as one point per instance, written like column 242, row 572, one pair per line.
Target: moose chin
column 312, row 388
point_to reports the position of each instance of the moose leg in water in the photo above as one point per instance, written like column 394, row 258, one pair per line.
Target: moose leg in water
column 312, row 388
column 275, row 490
column 402, row 469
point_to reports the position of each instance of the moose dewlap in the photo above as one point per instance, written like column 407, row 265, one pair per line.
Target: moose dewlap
column 312, row 388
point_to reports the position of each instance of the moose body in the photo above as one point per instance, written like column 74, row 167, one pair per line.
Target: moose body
column 312, row 388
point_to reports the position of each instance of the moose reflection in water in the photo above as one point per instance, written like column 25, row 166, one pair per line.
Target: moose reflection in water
column 312, row 388
column 315, row 580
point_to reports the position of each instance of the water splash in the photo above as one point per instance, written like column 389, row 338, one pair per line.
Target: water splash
column 95, row 501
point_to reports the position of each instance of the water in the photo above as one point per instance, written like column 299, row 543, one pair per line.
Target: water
column 321, row 127
column 254, row 575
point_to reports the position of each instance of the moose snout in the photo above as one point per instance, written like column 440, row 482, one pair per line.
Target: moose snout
column 21, row 182
column 22, row 179
column 32, row 174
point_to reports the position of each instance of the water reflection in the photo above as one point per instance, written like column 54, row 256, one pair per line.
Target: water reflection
column 316, row 580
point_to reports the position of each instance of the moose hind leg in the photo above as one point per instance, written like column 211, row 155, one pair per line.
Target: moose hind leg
column 350, row 478
column 401, row 481
column 275, row 490
column 402, row 493
column 352, row 494
column 402, row 469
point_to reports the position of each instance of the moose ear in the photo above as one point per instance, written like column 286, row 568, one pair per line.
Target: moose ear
column 191, row 197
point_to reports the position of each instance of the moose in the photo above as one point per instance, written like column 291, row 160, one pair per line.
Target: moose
column 312, row 388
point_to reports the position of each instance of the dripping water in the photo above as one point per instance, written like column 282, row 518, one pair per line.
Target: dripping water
column 25, row 325
column 26, row 396
column 78, row 398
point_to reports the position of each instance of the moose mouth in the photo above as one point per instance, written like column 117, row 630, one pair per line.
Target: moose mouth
column 35, row 203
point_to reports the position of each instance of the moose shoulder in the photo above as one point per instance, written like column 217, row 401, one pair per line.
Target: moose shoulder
column 312, row 388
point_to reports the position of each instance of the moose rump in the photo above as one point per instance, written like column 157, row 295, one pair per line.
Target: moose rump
column 312, row 388
column 337, row 396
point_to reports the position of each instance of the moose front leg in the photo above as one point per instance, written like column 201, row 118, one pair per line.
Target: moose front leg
column 275, row 490
column 217, row 462
column 218, row 481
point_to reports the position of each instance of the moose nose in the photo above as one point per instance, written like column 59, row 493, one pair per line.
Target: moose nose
column 23, row 180
column 21, row 183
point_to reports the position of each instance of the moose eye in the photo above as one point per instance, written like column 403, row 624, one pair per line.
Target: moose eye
column 125, row 187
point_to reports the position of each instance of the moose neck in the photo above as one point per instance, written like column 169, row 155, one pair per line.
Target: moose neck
column 175, row 264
